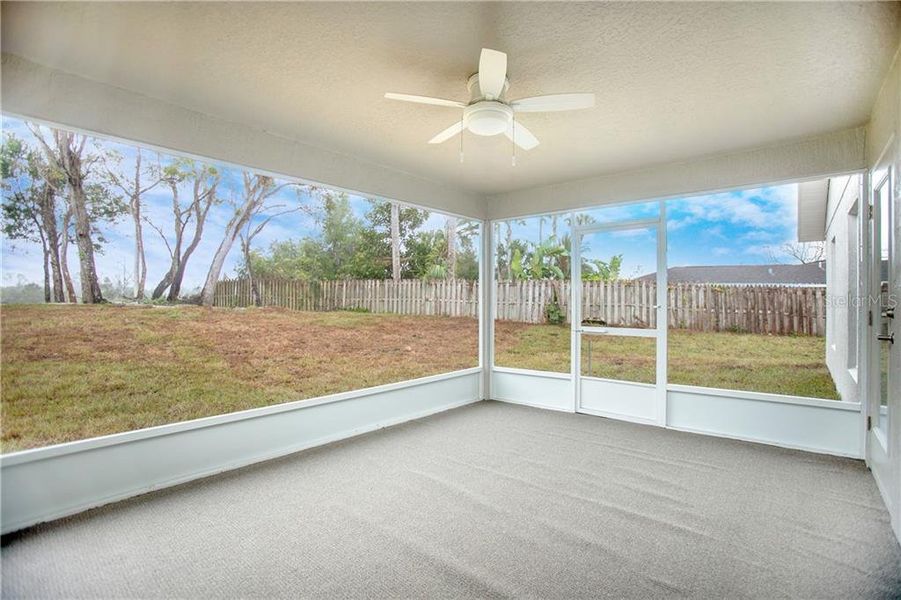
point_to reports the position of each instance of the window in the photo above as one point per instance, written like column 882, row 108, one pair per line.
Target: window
column 833, row 282
column 311, row 291
column 882, row 236
column 746, row 300
column 853, row 283
column 532, row 275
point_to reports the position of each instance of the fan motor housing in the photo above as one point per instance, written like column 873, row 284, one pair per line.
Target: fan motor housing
column 487, row 117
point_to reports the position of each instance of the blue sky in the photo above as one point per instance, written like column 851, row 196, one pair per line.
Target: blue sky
column 729, row 228
column 23, row 259
column 741, row 227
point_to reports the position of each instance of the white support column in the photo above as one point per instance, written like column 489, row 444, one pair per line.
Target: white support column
column 662, row 317
column 575, row 311
column 487, row 287
column 864, row 291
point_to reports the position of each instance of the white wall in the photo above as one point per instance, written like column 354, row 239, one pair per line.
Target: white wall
column 825, row 426
column 843, row 210
column 542, row 390
column 48, row 483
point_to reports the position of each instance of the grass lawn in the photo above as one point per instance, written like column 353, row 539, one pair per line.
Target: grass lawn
column 792, row 365
column 72, row 372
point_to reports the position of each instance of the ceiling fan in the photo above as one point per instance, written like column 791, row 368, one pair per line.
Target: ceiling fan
column 488, row 112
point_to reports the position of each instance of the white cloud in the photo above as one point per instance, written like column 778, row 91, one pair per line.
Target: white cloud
column 758, row 208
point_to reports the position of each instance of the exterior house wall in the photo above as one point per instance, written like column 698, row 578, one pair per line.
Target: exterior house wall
column 883, row 149
column 842, row 282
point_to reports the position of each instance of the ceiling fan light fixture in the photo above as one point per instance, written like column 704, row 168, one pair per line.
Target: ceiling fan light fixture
column 488, row 112
column 487, row 118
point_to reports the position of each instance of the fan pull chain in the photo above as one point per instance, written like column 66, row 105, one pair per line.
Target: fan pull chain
column 461, row 138
column 513, row 139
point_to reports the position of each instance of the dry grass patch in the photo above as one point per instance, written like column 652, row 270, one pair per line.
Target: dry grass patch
column 793, row 365
column 72, row 372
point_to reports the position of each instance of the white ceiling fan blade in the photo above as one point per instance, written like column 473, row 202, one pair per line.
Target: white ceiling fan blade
column 492, row 73
column 553, row 102
column 447, row 133
column 425, row 100
column 521, row 136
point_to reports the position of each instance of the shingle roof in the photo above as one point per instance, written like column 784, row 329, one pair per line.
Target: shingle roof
column 808, row 274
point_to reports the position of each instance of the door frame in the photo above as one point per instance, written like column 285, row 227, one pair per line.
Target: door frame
column 882, row 453
column 659, row 333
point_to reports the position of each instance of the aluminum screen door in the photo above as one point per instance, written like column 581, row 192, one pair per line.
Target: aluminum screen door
column 619, row 319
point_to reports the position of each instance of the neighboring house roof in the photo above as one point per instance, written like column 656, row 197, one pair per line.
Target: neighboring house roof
column 809, row 274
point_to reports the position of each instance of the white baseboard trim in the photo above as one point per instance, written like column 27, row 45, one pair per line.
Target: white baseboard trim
column 532, row 404
column 51, row 488
column 766, row 442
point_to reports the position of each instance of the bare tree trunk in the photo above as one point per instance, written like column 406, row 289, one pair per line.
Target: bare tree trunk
column 200, row 213
column 179, row 273
column 64, row 259
column 46, row 265
column 254, row 290
column 212, row 277
column 90, row 286
column 166, row 281
column 175, row 250
column 395, row 241
column 140, row 266
column 451, row 236
column 204, row 196
column 257, row 189
column 177, row 276
column 554, row 226
column 48, row 218
column 68, row 157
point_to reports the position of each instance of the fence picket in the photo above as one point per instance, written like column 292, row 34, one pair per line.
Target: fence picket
column 703, row 307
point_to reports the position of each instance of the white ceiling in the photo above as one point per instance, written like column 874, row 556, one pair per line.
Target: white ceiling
column 673, row 81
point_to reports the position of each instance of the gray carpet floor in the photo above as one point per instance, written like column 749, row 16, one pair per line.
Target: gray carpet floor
column 490, row 500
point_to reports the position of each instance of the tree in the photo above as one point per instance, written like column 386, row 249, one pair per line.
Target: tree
column 383, row 216
column 450, row 236
column 255, row 225
column 65, row 240
column 344, row 247
column 203, row 180
column 425, row 255
column 395, row 242
column 66, row 154
column 601, row 270
column 134, row 191
column 29, row 208
column 542, row 261
column 257, row 190
column 799, row 252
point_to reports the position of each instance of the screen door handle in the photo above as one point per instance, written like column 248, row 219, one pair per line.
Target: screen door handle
column 890, row 338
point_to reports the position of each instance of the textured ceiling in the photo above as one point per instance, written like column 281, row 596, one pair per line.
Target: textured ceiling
column 672, row 80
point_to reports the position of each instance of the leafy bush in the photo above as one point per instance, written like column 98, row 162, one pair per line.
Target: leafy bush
column 554, row 314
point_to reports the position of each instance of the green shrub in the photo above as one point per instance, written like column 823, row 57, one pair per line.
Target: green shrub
column 554, row 314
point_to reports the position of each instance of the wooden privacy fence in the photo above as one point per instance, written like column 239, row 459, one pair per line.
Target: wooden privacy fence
column 700, row 307
column 454, row 298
